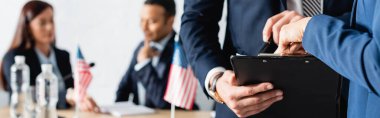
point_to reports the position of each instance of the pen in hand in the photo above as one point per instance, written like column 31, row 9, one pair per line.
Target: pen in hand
column 92, row 64
column 269, row 47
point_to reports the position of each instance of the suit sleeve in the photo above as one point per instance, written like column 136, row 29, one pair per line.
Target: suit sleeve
column 199, row 34
column 8, row 61
column 354, row 54
column 126, row 85
column 125, row 88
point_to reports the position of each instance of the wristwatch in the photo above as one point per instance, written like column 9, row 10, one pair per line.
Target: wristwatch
column 212, row 88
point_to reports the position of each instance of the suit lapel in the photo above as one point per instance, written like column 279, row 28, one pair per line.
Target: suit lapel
column 60, row 62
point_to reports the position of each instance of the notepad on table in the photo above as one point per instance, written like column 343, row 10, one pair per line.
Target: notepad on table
column 125, row 109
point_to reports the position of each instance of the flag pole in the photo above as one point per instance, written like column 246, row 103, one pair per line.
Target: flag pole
column 172, row 111
column 76, row 96
column 172, row 108
column 76, row 90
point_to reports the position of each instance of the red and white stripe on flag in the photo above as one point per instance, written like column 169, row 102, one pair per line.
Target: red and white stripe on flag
column 182, row 87
column 84, row 78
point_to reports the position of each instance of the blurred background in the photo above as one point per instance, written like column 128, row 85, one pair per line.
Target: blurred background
column 107, row 31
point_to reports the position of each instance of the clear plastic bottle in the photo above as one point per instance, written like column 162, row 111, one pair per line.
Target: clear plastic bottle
column 19, row 84
column 46, row 93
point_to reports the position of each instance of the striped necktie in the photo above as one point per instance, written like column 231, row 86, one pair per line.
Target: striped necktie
column 312, row 7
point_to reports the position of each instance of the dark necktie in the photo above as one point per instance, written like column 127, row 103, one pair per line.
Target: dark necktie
column 312, row 7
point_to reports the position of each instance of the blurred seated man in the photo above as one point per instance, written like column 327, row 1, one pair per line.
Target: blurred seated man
column 149, row 69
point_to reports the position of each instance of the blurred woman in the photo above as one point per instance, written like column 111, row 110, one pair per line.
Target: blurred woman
column 35, row 39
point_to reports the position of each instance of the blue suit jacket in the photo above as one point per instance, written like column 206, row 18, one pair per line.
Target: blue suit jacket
column 353, row 51
column 245, row 22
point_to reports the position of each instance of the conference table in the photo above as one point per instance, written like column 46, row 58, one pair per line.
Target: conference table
column 4, row 113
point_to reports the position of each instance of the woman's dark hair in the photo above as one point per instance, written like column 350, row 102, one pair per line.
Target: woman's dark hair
column 168, row 5
column 23, row 38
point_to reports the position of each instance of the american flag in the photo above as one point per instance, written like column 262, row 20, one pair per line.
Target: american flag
column 83, row 76
column 182, row 84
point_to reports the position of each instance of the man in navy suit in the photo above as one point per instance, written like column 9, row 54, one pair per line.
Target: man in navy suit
column 352, row 49
column 245, row 24
column 151, row 60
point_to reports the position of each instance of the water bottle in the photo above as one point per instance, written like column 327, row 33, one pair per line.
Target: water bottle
column 46, row 92
column 19, row 85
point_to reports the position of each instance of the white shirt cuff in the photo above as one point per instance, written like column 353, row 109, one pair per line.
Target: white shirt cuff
column 140, row 65
column 209, row 74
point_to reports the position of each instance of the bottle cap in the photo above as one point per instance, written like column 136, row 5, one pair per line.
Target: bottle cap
column 19, row 59
column 47, row 68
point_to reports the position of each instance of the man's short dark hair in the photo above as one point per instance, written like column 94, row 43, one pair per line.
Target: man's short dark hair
column 168, row 5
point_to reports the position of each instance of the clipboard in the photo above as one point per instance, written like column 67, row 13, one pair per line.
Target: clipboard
column 311, row 88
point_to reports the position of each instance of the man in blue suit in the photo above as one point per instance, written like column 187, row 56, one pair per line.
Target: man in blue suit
column 352, row 50
column 245, row 23
column 151, row 60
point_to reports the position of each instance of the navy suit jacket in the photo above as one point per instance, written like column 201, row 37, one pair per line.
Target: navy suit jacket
column 353, row 51
column 154, row 79
column 31, row 59
column 245, row 23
